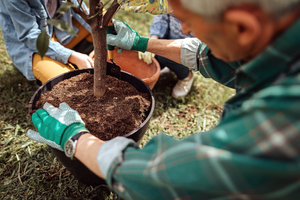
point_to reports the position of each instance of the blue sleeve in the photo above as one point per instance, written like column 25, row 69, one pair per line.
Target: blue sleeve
column 27, row 29
column 160, row 26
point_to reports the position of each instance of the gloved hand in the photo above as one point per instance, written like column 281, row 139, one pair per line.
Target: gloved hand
column 56, row 125
column 126, row 38
column 147, row 57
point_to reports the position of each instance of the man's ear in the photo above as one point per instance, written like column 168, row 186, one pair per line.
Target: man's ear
column 244, row 25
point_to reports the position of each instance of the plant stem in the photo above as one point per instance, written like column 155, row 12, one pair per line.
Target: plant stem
column 100, row 62
column 99, row 42
column 98, row 24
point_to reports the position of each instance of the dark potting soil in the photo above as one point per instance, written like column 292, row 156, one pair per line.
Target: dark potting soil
column 119, row 111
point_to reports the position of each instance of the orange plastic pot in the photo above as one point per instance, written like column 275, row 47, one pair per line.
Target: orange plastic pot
column 129, row 62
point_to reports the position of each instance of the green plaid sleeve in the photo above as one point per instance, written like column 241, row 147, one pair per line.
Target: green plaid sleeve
column 198, row 57
column 211, row 67
column 252, row 154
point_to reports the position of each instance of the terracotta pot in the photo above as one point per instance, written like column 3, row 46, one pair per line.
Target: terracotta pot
column 129, row 62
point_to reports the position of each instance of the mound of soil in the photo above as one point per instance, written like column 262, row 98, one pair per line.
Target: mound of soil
column 119, row 111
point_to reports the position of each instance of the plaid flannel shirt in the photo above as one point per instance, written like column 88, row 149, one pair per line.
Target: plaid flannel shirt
column 253, row 153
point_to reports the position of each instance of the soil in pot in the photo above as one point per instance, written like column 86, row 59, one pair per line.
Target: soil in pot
column 119, row 111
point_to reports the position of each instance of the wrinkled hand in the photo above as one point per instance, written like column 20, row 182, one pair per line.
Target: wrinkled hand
column 147, row 57
column 127, row 38
column 56, row 125
column 81, row 60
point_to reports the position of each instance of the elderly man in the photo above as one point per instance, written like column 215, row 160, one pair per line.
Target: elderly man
column 249, row 45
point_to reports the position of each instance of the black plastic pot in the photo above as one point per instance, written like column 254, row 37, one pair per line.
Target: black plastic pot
column 81, row 172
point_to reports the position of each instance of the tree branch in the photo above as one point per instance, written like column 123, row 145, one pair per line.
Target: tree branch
column 96, row 9
column 80, row 10
column 110, row 12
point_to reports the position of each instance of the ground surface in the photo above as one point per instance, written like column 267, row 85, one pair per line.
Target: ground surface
column 29, row 171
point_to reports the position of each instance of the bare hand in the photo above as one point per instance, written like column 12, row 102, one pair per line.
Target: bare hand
column 92, row 55
column 82, row 61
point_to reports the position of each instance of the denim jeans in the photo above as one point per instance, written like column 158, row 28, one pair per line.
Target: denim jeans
column 181, row 71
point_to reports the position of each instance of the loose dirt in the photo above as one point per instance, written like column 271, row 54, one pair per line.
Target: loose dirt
column 119, row 111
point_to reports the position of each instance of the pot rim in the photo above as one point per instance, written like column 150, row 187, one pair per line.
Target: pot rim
column 90, row 70
column 156, row 74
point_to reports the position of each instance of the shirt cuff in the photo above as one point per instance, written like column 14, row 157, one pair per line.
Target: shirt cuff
column 111, row 150
column 65, row 55
column 58, row 52
column 189, row 52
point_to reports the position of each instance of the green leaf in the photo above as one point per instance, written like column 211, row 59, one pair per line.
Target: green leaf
column 65, row 7
column 62, row 25
column 42, row 43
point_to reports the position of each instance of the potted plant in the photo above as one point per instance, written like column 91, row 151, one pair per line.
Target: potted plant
column 139, row 99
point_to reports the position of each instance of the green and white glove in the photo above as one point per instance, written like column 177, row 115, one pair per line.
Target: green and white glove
column 56, row 125
column 147, row 57
column 126, row 38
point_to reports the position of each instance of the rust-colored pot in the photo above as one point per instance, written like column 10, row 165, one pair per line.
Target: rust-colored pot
column 129, row 62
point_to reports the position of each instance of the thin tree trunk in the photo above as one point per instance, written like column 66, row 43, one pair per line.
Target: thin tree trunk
column 99, row 42
column 100, row 62
column 98, row 22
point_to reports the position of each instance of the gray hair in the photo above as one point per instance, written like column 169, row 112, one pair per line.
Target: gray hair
column 215, row 8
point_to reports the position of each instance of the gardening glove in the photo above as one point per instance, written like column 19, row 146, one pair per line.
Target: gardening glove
column 56, row 125
column 126, row 38
column 147, row 57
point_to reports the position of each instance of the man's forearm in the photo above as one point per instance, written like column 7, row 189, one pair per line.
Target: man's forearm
column 87, row 149
column 170, row 49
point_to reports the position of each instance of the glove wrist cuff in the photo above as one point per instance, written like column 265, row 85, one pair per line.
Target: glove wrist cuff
column 140, row 44
column 71, row 131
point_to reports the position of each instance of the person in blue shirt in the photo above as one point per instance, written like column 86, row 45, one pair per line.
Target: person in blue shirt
column 21, row 23
column 167, row 26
